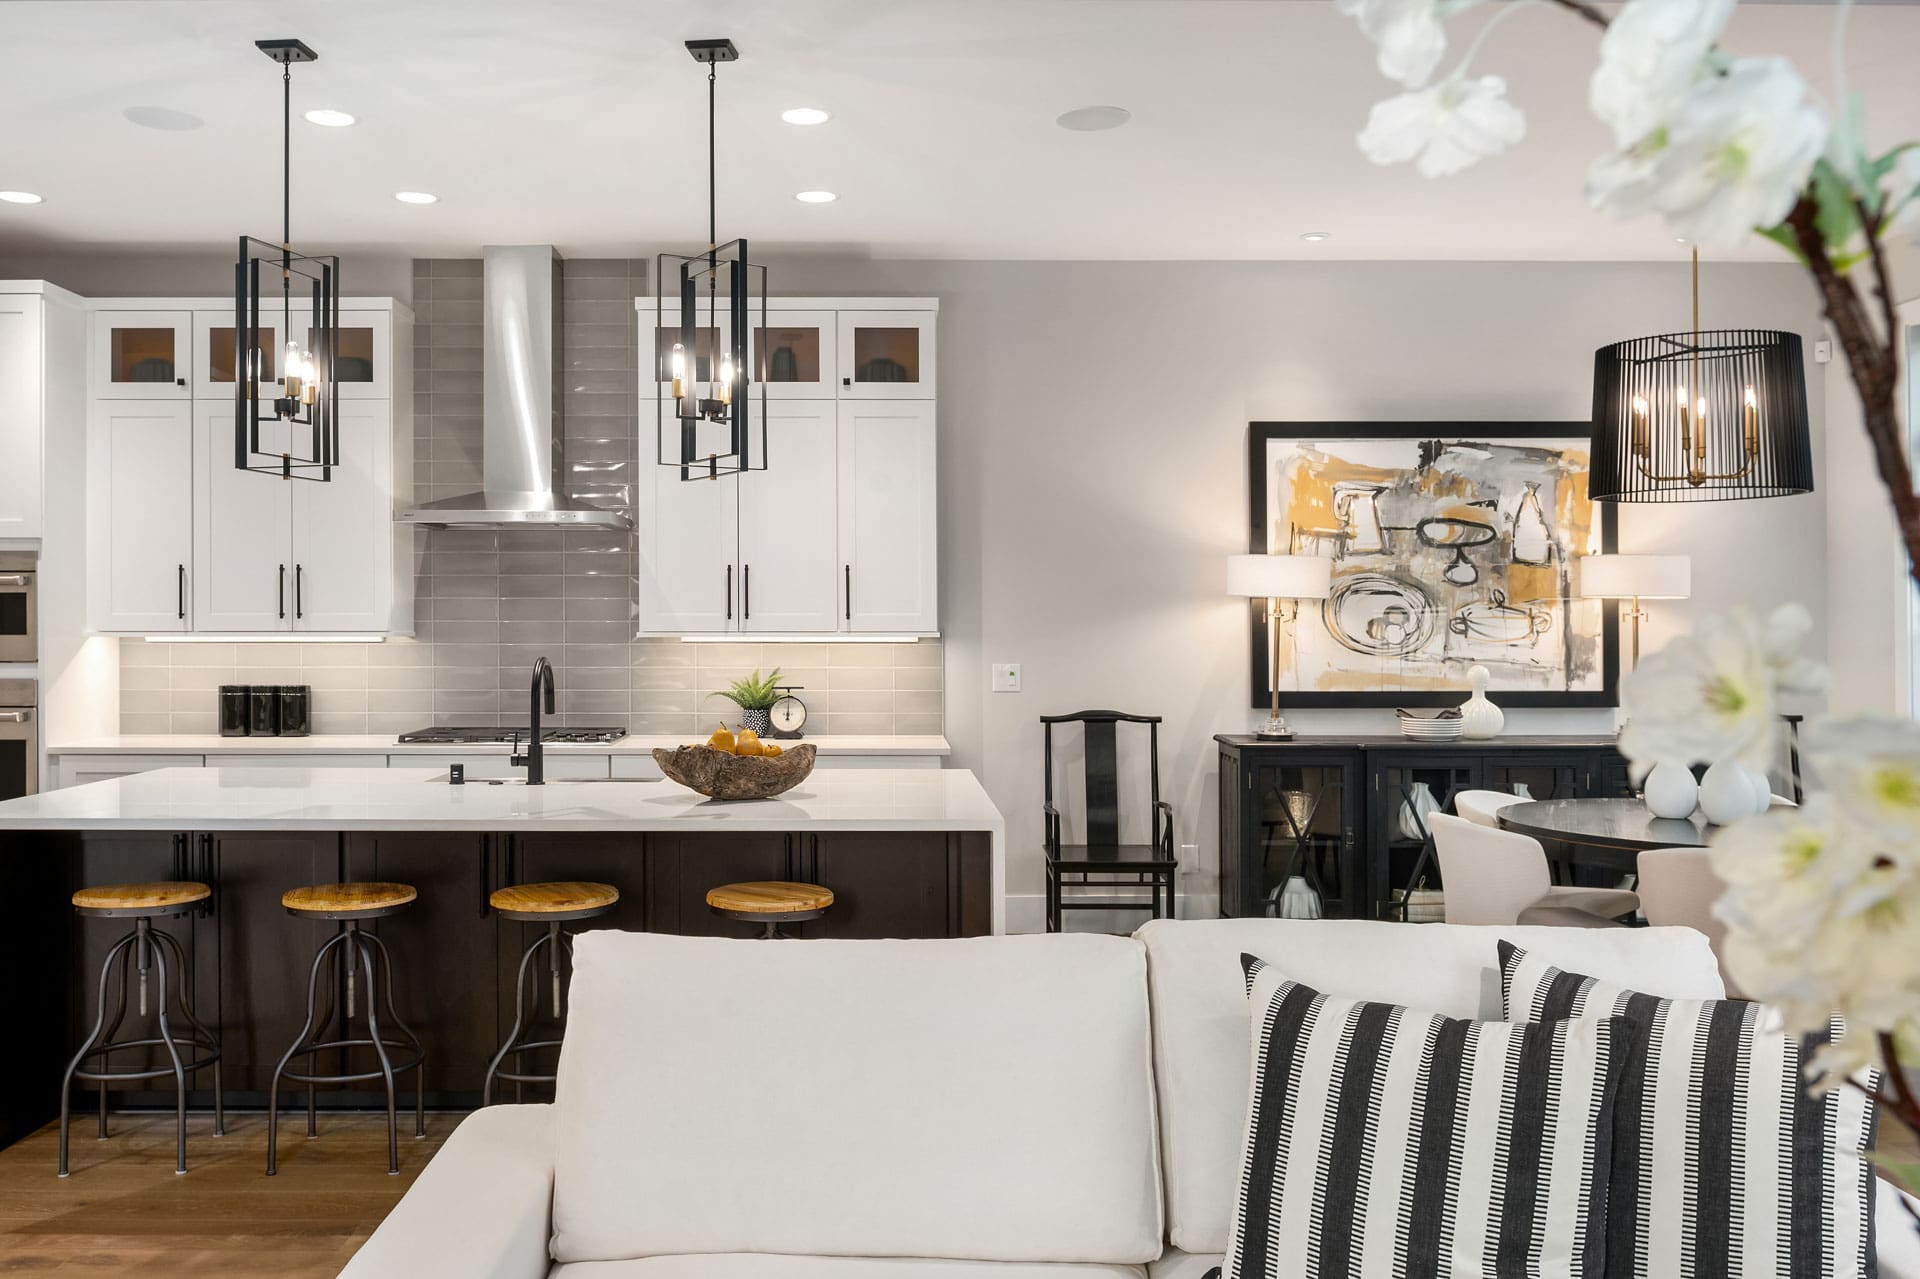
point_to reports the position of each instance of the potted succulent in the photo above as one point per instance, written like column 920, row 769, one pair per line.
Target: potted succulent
column 755, row 697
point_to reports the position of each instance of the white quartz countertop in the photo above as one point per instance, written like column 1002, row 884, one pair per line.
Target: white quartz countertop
column 397, row 799
column 350, row 744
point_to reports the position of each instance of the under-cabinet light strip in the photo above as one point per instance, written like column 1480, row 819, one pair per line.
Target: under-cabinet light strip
column 799, row 639
column 265, row 639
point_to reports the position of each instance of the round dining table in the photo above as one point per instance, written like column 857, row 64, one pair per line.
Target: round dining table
column 1605, row 832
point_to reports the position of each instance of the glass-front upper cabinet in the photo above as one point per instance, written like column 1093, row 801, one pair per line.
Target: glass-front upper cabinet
column 143, row 355
column 361, row 363
column 708, row 335
column 215, row 365
column 886, row 355
column 793, row 354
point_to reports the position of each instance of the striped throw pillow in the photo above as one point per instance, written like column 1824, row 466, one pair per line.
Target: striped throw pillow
column 1406, row 1145
column 1722, row 1162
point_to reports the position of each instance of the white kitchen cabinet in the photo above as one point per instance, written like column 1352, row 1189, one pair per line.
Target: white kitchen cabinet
column 794, row 352
column 78, row 770
column 141, row 354
column 788, row 537
column 42, row 352
column 886, row 355
column 890, row 562
column 688, row 535
column 140, row 460
column 242, row 534
column 344, row 574
column 214, row 367
column 365, row 361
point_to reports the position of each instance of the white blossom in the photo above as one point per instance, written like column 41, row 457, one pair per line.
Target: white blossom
column 1651, row 55
column 1448, row 126
column 1408, row 38
column 1714, row 694
column 1735, row 154
column 1871, row 766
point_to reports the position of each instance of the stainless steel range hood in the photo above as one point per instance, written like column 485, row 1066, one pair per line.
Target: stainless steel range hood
column 520, row 458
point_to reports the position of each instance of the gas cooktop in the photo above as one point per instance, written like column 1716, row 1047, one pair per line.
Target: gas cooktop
column 456, row 736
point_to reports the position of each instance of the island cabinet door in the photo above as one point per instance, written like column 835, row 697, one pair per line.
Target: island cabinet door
column 681, row 868
column 261, row 955
column 897, row 884
column 444, row 946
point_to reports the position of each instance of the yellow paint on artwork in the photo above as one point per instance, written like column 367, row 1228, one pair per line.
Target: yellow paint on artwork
column 1533, row 584
column 1310, row 484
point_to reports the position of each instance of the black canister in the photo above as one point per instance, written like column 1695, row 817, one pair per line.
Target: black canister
column 263, row 715
column 294, row 700
column 235, row 713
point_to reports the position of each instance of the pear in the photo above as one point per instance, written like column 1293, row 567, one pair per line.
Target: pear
column 748, row 743
column 770, row 749
column 722, row 739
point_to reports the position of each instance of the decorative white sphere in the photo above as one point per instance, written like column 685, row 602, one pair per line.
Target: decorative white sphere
column 1726, row 793
column 1670, row 791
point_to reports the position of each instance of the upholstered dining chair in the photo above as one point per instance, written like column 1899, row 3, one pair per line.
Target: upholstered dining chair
column 1482, row 807
column 1500, row 877
column 1678, row 886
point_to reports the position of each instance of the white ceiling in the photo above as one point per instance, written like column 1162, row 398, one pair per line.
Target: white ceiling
column 581, row 122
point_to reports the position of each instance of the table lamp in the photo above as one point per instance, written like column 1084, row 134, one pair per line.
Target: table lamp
column 1635, row 578
column 1277, row 578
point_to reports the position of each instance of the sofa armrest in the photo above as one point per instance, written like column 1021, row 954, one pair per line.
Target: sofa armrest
column 479, row 1210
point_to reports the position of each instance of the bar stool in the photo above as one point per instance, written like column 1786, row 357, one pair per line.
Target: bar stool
column 352, row 947
column 144, row 903
column 769, row 903
column 552, row 904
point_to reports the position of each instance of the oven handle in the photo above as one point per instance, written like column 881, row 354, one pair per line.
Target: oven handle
column 15, row 717
column 20, row 580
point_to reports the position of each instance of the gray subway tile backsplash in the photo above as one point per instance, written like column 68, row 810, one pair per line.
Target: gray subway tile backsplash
column 488, row 603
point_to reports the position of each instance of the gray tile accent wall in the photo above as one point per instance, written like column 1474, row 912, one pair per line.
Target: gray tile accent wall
column 488, row 604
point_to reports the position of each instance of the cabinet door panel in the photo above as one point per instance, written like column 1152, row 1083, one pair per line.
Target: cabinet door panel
column 361, row 365
column 142, row 355
column 21, row 319
column 681, row 868
column 886, row 355
column 242, row 533
column 886, row 884
column 216, row 365
column 888, row 530
column 793, row 353
column 264, row 955
column 140, row 480
column 788, row 531
column 342, row 531
column 688, row 539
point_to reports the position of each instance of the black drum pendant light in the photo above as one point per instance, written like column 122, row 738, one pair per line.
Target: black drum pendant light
column 301, row 403
column 703, row 418
column 1701, row 416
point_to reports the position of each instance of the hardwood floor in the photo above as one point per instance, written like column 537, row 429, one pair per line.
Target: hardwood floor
column 123, row 1210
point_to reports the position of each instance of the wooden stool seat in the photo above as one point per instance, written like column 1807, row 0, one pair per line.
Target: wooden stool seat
column 165, row 897
column 564, row 899
column 770, row 903
column 347, row 901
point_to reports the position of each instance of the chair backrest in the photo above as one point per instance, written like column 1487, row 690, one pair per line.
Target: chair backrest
column 1482, row 807
column 1102, row 768
column 1490, row 876
column 1678, row 886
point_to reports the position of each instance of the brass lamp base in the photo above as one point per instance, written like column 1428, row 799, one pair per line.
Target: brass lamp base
column 1274, row 730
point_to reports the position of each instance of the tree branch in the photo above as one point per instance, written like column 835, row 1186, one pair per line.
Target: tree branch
column 1588, row 11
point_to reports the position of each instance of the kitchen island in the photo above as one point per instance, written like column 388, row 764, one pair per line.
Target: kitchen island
column 908, row 853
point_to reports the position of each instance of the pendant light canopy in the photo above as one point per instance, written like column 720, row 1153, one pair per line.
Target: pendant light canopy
column 712, row 302
column 1702, row 416
column 297, row 402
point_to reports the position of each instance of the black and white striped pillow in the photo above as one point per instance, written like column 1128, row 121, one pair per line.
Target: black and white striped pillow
column 1722, row 1163
column 1406, row 1145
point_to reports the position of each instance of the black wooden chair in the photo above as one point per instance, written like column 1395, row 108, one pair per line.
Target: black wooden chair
column 1103, row 861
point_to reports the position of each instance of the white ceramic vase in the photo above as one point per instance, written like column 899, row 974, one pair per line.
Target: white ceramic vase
column 1298, row 900
column 1726, row 793
column 1762, row 789
column 1415, row 809
column 1670, row 791
column 1480, row 718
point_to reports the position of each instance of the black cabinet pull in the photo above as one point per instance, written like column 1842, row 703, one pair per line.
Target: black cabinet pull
column 746, row 592
column 180, row 585
column 849, row 592
column 299, row 609
column 729, row 592
column 283, row 593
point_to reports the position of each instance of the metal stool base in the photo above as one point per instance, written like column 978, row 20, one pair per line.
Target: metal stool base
column 352, row 948
column 770, row 920
column 153, row 948
column 554, row 941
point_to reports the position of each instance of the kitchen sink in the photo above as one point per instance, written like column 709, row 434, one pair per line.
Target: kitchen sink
column 442, row 780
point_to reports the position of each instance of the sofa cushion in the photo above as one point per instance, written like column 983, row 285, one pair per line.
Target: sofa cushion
column 989, row 1098
column 761, row 1265
column 1200, row 1015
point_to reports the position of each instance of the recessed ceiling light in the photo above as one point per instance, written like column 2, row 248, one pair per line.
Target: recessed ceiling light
column 1093, row 119
column 1679, row 239
column 416, row 197
column 330, row 118
column 1315, row 237
column 163, row 118
column 19, row 197
column 815, row 197
column 805, row 115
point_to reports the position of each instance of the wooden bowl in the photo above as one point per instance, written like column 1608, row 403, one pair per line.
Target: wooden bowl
column 722, row 775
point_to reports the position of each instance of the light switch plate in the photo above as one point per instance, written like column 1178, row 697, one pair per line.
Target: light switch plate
column 1006, row 677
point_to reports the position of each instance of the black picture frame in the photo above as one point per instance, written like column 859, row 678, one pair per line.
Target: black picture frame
column 1261, row 434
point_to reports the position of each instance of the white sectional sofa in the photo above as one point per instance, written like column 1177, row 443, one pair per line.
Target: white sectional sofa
column 1065, row 1107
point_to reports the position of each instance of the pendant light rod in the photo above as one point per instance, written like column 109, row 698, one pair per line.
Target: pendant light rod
column 713, row 166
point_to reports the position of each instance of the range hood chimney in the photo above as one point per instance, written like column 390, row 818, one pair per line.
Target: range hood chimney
column 520, row 458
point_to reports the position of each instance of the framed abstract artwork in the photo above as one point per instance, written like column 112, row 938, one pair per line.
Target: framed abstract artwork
column 1453, row 546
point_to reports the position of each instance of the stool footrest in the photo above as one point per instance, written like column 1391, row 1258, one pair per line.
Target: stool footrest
column 391, row 1045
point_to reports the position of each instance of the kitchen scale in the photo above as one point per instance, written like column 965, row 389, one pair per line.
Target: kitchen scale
column 788, row 716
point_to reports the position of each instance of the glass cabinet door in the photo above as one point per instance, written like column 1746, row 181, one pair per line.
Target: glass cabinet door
column 142, row 355
column 793, row 354
column 886, row 355
column 215, row 345
column 1407, row 790
column 1301, row 863
column 360, row 364
column 666, row 333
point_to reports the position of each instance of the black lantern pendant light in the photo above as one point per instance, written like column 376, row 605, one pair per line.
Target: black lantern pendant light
column 1700, row 416
column 303, row 404
column 704, row 423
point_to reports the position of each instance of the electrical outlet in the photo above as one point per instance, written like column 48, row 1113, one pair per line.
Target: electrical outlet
column 1823, row 351
column 1006, row 677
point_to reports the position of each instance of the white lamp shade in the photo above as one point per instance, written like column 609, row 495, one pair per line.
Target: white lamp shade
column 1625, row 577
column 1282, row 577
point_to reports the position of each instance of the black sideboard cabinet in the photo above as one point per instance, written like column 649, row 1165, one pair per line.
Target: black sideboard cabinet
column 1347, row 814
